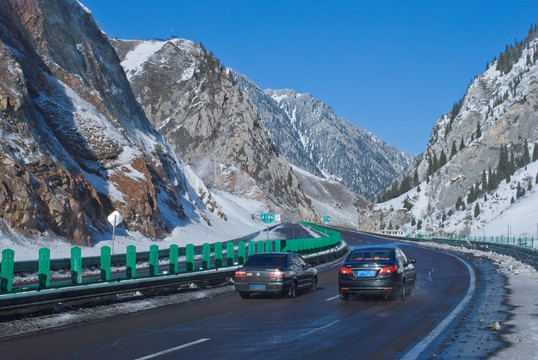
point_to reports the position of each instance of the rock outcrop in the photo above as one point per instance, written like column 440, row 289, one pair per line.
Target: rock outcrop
column 75, row 143
column 192, row 100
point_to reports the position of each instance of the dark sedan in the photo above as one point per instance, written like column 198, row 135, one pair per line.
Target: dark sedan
column 378, row 270
column 275, row 273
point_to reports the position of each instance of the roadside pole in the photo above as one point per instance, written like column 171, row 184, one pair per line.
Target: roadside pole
column 115, row 219
column 267, row 219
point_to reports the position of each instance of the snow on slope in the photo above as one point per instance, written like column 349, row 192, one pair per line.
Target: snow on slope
column 330, row 198
column 243, row 218
column 497, row 217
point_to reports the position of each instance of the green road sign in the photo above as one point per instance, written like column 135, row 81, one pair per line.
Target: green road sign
column 267, row 218
column 326, row 219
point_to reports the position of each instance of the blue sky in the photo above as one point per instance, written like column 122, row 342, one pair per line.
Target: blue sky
column 390, row 67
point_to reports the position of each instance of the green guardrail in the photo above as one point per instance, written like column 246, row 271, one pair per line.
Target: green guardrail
column 503, row 240
column 212, row 256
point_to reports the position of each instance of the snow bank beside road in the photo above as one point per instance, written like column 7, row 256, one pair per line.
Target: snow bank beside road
column 523, row 291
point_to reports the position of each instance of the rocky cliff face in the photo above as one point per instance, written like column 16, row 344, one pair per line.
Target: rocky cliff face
column 75, row 143
column 499, row 108
column 312, row 137
column 194, row 103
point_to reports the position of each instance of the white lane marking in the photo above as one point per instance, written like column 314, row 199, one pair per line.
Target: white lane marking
column 151, row 356
column 423, row 344
column 318, row 329
column 332, row 298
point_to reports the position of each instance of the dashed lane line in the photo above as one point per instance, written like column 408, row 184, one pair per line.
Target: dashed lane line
column 151, row 356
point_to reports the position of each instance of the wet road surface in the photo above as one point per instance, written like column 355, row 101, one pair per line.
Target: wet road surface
column 312, row 326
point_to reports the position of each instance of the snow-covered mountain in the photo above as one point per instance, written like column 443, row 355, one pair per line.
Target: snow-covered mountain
column 192, row 100
column 497, row 114
column 75, row 142
column 312, row 137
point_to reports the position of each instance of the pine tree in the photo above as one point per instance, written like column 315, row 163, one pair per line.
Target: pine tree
column 462, row 144
column 419, row 224
column 536, row 181
column 526, row 154
column 492, row 180
column 459, row 203
column 453, row 151
column 413, row 222
column 435, row 163
column 535, row 152
column 443, row 218
column 415, row 177
column 503, row 167
column 476, row 210
column 442, row 159
column 520, row 191
column 484, row 181
column 407, row 204
column 478, row 130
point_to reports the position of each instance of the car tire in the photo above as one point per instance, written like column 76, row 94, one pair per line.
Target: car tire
column 292, row 292
column 244, row 295
column 413, row 289
column 314, row 284
column 344, row 297
column 403, row 291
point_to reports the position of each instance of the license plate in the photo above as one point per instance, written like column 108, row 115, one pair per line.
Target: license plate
column 366, row 273
column 257, row 287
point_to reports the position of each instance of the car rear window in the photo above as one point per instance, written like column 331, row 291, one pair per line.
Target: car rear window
column 370, row 255
column 273, row 261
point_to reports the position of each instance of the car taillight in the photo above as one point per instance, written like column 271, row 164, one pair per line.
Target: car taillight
column 388, row 269
column 344, row 270
column 240, row 274
column 276, row 274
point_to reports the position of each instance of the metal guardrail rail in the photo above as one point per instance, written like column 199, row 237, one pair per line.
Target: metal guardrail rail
column 30, row 266
column 523, row 254
column 24, row 302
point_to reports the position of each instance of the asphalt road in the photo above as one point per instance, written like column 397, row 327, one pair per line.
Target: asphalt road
column 312, row 326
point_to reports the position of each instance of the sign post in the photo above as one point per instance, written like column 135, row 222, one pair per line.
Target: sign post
column 115, row 219
column 267, row 219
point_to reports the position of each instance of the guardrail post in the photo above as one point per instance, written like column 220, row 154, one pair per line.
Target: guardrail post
column 76, row 265
column 131, row 262
column 105, row 263
column 153, row 260
column 260, row 245
column 230, row 253
column 278, row 245
column 189, row 262
column 6, row 276
column 173, row 259
column 251, row 248
column 44, row 268
column 206, row 255
column 218, row 255
column 241, row 252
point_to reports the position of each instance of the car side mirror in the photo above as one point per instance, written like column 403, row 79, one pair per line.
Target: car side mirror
column 411, row 260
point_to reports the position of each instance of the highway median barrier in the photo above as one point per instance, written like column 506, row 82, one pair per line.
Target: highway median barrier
column 88, row 288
